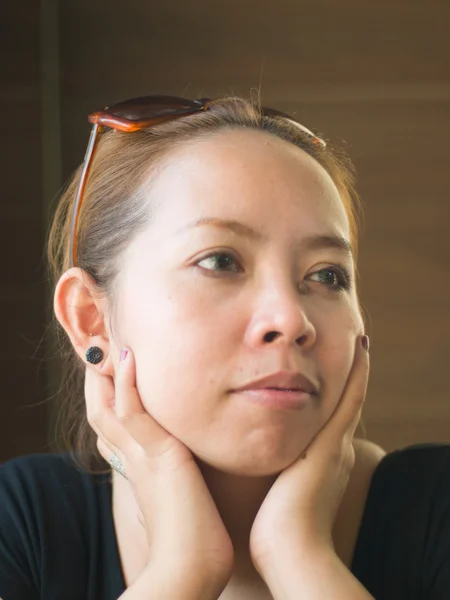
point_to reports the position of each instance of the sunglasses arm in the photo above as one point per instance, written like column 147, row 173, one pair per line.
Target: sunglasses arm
column 80, row 192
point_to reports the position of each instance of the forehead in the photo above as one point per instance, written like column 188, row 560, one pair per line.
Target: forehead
column 249, row 175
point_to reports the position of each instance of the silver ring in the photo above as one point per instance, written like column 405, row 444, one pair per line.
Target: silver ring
column 115, row 463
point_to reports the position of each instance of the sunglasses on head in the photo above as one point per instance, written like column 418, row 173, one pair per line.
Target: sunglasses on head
column 141, row 113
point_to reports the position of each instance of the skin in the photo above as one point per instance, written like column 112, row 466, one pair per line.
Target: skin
column 197, row 333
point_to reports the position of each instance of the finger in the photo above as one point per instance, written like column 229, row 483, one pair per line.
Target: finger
column 345, row 418
column 99, row 391
column 111, row 432
column 128, row 401
column 105, row 449
column 131, row 412
column 115, row 461
column 100, row 411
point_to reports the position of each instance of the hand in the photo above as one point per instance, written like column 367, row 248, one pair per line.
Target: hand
column 300, row 509
column 181, row 520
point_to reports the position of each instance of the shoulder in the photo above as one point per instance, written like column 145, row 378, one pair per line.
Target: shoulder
column 34, row 464
column 28, row 492
column 408, row 489
column 26, row 475
column 51, row 511
column 387, row 491
column 39, row 475
column 31, row 485
column 425, row 466
column 46, row 468
column 405, row 530
column 431, row 459
column 44, row 489
column 368, row 456
column 419, row 469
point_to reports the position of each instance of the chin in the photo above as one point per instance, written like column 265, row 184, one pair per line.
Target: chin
column 250, row 465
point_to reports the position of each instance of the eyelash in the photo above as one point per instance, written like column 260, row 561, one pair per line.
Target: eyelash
column 341, row 274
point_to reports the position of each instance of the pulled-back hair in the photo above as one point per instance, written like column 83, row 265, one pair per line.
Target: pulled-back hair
column 116, row 208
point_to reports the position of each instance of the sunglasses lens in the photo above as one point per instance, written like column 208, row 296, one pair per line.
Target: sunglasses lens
column 148, row 107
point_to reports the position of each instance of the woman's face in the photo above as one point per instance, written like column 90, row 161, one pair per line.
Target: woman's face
column 240, row 274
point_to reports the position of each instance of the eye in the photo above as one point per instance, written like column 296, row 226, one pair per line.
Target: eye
column 336, row 278
column 219, row 262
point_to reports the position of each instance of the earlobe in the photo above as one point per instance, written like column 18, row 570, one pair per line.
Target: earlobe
column 81, row 313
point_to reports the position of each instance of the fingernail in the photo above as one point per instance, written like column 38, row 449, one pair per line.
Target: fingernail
column 365, row 342
column 123, row 354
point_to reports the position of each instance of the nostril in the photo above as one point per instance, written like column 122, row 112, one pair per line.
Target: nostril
column 269, row 337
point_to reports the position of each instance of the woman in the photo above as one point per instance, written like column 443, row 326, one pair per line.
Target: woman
column 204, row 260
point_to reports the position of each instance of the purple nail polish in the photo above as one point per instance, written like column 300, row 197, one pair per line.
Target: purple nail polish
column 123, row 354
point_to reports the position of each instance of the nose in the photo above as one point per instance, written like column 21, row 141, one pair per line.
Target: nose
column 281, row 317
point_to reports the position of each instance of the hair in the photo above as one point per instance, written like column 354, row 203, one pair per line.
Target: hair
column 116, row 208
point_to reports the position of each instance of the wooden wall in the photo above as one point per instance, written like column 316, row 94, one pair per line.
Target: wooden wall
column 374, row 76
column 23, row 417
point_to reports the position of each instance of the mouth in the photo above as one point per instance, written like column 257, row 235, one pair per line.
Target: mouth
column 283, row 381
column 276, row 398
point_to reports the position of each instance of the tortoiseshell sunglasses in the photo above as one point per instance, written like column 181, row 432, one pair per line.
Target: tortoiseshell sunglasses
column 141, row 113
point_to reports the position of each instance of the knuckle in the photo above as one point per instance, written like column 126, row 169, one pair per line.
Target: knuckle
column 124, row 419
column 349, row 458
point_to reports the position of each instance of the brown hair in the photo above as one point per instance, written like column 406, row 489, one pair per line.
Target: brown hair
column 116, row 208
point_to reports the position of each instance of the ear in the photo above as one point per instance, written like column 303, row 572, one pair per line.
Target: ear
column 81, row 312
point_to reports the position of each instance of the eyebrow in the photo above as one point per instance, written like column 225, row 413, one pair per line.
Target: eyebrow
column 313, row 242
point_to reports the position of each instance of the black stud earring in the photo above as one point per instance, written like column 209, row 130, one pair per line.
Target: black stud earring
column 94, row 355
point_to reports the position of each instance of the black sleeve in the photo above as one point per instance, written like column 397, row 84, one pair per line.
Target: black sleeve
column 19, row 539
column 436, row 571
column 403, row 550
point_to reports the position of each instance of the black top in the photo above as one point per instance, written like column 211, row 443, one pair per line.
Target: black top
column 57, row 537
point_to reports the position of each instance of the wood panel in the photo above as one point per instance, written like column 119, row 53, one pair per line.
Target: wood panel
column 372, row 76
column 113, row 51
column 23, row 412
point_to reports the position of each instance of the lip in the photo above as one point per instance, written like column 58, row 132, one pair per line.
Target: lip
column 276, row 398
column 286, row 381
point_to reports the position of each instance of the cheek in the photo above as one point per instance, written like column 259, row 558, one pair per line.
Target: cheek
column 338, row 337
column 179, row 348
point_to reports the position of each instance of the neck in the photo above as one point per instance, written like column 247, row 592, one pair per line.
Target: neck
column 238, row 499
